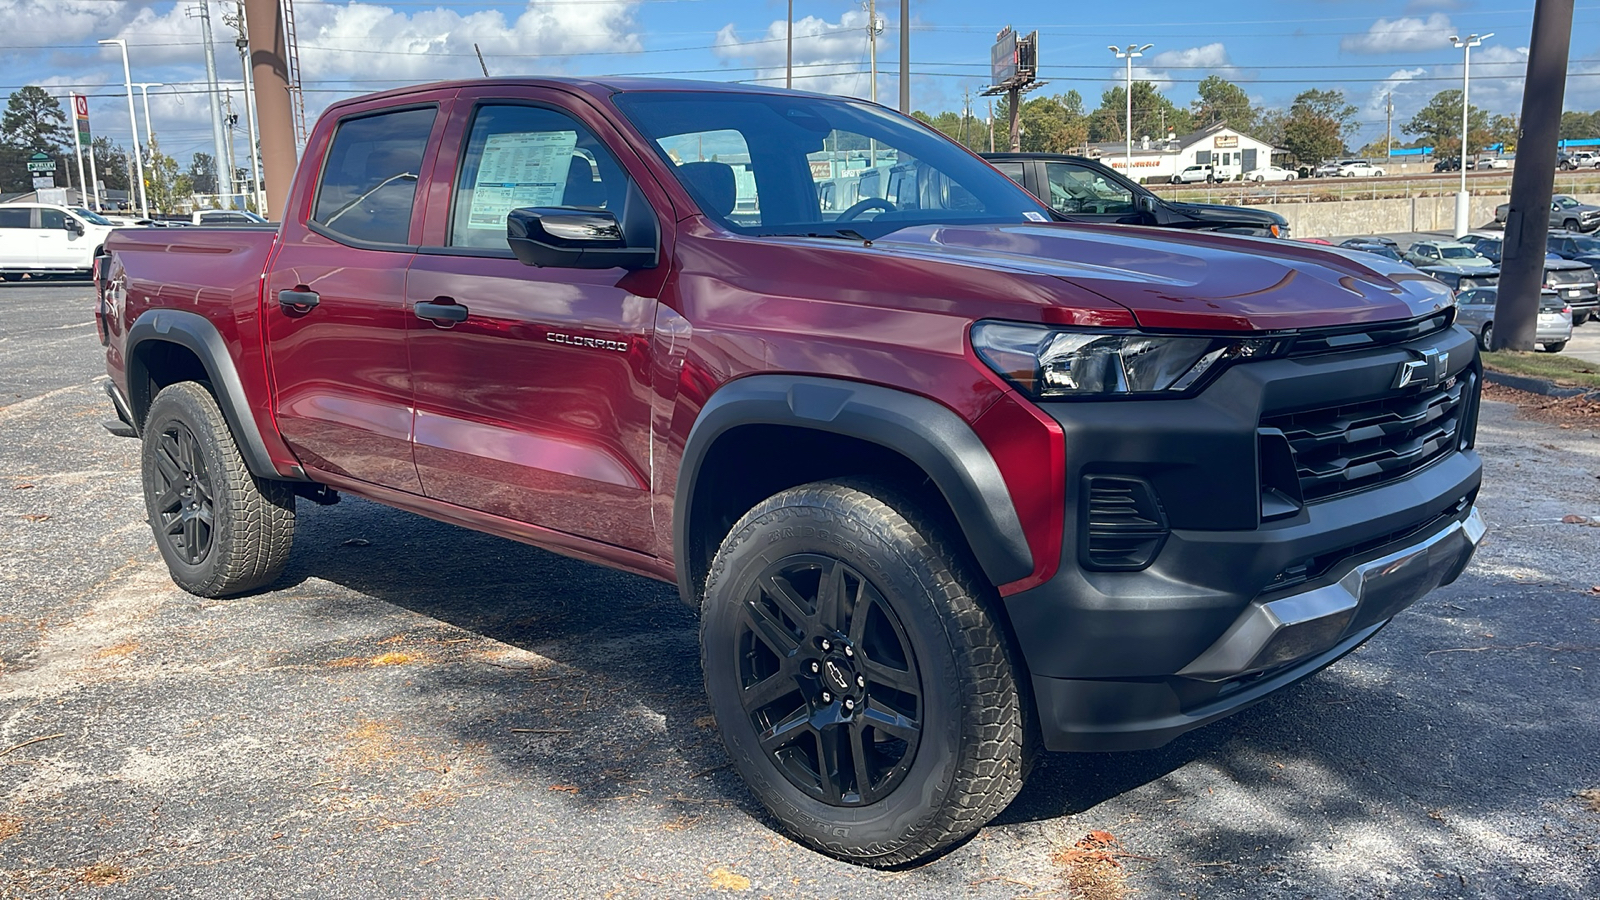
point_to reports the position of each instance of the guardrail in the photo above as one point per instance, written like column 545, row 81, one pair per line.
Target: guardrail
column 1322, row 190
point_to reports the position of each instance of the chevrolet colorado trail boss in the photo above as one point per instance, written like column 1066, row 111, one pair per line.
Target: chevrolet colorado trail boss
column 948, row 481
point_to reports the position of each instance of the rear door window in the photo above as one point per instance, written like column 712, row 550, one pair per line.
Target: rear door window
column 16, row 217
column 369, row 179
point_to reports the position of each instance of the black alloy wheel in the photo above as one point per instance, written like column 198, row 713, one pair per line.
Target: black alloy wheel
column 828, row 679
column 185, row 505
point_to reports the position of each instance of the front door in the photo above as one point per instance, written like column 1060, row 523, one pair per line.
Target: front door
column 58, row 247
column 335, row 305
column 535, row 405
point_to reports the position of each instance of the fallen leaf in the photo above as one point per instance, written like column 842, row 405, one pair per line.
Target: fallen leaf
column 1574, row 520
column 724, row 880
column 1590, row 798
column 102, row 874
column 565, row 788
column 705, row 722
column 1595, row 589
column 21, row 487
column 36, row 517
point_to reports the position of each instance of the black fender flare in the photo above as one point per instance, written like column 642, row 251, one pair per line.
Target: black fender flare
column 195, row 333
column 929, row 434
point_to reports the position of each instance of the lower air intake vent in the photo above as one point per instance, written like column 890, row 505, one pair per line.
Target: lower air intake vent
column 1122, row 525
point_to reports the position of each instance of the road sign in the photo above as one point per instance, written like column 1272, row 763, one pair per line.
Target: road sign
column 40, row 182
column 41, row 162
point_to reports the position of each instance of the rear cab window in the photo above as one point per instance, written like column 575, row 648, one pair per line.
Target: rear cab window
column 368, row 184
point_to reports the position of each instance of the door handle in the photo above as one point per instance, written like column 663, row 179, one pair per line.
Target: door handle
column 298, row 301
column 442, row 310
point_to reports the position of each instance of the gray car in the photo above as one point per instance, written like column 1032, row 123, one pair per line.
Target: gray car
column 1566, row 211
column 1475, row 312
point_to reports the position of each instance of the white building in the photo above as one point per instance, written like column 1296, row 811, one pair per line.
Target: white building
column 1230, row 151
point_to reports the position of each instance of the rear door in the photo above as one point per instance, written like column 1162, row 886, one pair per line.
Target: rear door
column 19, row 245
column 335, row 304
column 535, row 405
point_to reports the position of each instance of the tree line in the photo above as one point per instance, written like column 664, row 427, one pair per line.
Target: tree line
column 1316, row 126
column 34, row 122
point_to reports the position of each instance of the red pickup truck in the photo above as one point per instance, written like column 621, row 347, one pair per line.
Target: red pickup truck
column 948, row 480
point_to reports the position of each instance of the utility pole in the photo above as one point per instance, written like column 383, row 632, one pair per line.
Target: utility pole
column 905, row 57
column 991, row 124
column 1516, row 309
column 229, row 120
column 269, row 64
column 1388, row 128
column 224, row 179
column 243, row 43
column 872, row 44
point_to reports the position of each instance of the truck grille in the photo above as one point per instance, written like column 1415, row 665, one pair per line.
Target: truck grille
column 1344, row 448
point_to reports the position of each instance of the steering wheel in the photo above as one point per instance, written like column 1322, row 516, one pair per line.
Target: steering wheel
column 864, row 205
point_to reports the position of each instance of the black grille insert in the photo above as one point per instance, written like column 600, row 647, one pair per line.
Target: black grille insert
column 1123, row 527
column 1344, row 448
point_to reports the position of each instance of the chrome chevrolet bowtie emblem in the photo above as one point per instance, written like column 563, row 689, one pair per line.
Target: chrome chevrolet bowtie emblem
column 1430, row 369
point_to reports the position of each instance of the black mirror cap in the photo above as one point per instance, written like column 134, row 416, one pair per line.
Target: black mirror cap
column 573, row 238
column 74, row 226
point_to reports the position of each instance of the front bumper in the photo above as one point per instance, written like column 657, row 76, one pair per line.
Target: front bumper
column 1242, row 596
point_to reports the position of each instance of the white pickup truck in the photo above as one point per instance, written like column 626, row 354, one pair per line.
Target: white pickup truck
column 46, row 239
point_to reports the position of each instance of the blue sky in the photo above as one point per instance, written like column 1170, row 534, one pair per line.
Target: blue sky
column 1275, row 50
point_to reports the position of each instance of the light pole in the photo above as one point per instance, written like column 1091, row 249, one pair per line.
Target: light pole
column 1130, row 54
column 144, row 95
column 1463, row 199
column 133, row 124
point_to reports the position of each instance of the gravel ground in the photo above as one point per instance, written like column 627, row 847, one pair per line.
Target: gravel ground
column 420, row 710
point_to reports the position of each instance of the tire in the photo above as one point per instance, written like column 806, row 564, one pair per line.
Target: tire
column 1570, row 225
column 1553, row 346
column 1260, row 178
column 191, row 466
column 1579, row 319
column 936, row 772
column 1486, row 336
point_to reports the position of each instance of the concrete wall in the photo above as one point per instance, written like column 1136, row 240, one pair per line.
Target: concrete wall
column 1340, row 218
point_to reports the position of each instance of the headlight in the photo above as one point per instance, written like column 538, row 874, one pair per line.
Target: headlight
column 1047, row 363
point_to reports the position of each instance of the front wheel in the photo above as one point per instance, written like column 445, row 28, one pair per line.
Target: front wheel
column 220, row 529
column 1579, row 318
column 1553, row 346
column 861, row 683
column 1486, row 337
column 1570, row 224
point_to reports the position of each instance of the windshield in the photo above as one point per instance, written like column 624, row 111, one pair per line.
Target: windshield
column 90, row 217
column 1458, row 252
column 1566, row 202
column 777, row 164
column 1587, row 245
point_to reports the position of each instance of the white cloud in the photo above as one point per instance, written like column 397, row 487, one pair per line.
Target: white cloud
column 37, row 23
column 829, row 57
column 1193, row 63
column 1402, row 35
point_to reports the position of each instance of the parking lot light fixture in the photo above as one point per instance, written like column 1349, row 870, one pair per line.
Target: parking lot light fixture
column 133, row 125
column 1463, row 199
column 1133, row 51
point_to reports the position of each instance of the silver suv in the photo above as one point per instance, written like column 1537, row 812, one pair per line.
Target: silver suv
column 1475, row 312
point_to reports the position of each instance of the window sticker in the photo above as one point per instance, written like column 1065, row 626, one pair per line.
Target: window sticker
column 520, row 169
column 1032, row 216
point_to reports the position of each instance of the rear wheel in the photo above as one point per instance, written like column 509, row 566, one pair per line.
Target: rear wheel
column 1486, row 336
column 1553, row 346
column 861, row 683
column 220, row 529
column 1579, row 318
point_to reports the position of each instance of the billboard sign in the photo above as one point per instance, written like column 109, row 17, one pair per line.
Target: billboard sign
column 41, row 163
column 1003, row 58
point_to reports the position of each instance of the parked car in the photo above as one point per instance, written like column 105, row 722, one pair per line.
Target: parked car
column 1475, row 312
column 1271, row 173
column 1490, row 246
column 1378, row 239
column 1566, row 212
column 1432, row 253
column 1582, row 159
column 1576, row 246
column 45, row 239
column 1193, row 174
column 1083, row 190
column 944, row 480
column 1359, row 168
column 226, row 217
column 1493, row 162
column 1331, row 168
column 1576, row 284
column 1453, row 164
column 1370, row 246
column 1462, row 278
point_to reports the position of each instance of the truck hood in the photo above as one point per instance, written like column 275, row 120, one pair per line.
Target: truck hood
column 1198, row 281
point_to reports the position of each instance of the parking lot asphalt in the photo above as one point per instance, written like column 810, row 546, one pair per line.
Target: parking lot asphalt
column 419, row 710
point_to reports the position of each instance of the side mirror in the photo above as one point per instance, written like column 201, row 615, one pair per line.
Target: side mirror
column 571, row 238
column 74, row 226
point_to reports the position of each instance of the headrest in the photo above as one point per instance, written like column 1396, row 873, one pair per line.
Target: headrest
column 582, row 189
column 712, row 185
